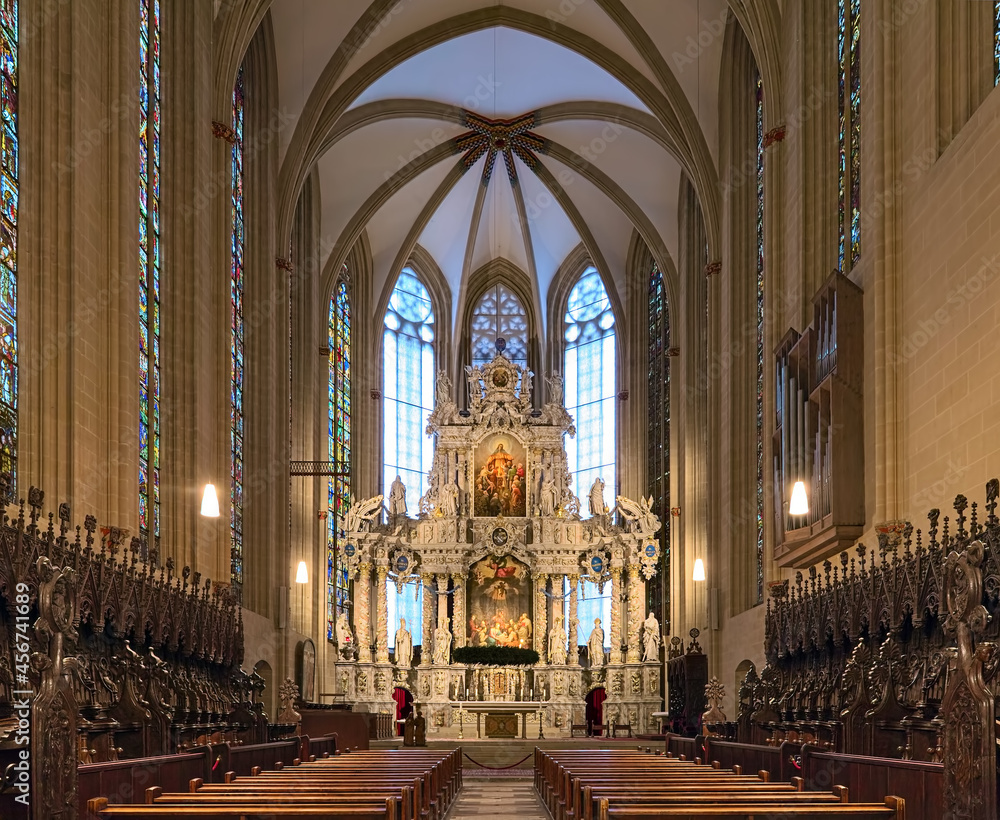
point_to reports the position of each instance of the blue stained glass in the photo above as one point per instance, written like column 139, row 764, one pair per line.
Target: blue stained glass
column 590, row 375
column 149, row 274
column 339, row 427
column 499, row 314
column 849, row 130
column 236, row 339
column 408, row 365
column 996, row 43
column 759, row 317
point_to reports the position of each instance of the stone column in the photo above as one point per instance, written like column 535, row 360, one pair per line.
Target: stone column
column 635, row 602
column 362, row 630
column 428, row 616
column 381, row 618
column 573, row 658
column 616, row 616
column 459, row 625
column 441, row 579
column 541, row 617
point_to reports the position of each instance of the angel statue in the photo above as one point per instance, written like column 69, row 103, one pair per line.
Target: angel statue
column 644, row 521
column 555, row 385
column 361, row 512
column 597, row 505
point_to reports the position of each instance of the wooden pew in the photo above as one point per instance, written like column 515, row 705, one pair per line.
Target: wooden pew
column 583, row 784
column 389, row 785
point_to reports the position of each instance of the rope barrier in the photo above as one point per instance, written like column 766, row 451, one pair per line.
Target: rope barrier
column 499, row 768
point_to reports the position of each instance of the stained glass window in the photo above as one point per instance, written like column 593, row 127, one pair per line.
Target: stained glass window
column 760, row 337
column 658, row 433
column 8, row 244
column 589, row 372
column 408, row 381
column 149, row 271
column 339, row 438
column 849, row 98
column 591, row 603
column 499, row 314
column 996, row 43
column 236, row 344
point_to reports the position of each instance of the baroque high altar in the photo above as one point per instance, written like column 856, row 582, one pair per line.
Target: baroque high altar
column 498, row 533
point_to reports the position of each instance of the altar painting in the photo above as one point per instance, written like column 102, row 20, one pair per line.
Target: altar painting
column 499, row 600
column 500, row 483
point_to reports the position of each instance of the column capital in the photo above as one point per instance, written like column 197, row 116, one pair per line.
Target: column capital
column 381, row 572
column 284, row 264
column 574, row 579
column 713, row 267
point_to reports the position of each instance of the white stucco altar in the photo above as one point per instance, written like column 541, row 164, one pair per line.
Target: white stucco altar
column 495, row 541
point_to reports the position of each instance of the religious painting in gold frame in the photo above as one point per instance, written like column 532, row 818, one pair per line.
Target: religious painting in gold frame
column 499, row 603
column 500, row 484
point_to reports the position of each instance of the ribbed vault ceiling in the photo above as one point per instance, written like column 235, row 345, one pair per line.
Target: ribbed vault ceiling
column 603, row 157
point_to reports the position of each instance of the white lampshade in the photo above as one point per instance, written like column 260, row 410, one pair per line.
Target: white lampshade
column 699, row 570
column 210, row 502
column 302, row 574
column 799, row 505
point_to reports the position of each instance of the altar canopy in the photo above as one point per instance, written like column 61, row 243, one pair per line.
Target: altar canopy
column 500, row 552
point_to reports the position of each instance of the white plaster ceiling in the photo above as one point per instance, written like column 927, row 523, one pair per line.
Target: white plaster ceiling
column 498, row 72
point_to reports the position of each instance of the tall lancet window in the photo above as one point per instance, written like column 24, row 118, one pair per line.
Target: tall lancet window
column 8, row 244
column 849, row 177
column 759, row 305
column 340, row 450
column 658, row 433
column 236, row 345
column 590, row 377
column 499, row 314
column 149, row 271
column 408, row 381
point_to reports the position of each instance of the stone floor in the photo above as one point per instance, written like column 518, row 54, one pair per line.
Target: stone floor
column 497, row 799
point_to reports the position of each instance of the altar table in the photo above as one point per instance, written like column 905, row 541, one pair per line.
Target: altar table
column 482, row 707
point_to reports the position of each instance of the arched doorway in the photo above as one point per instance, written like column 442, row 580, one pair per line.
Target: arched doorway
column 404, row 706
column 595, row 710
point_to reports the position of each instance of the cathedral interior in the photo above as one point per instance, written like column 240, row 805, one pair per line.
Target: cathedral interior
column 619, row 331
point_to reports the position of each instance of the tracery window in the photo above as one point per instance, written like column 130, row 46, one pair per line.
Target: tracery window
column 591, row 603
column 849, row 96
column 658, row 433
column 339, row 438
column 499, row 314
column 149, row 271
column 589, row 371
column 408, row 387
column 759, row 402
column 8, row 243
column 236, row 343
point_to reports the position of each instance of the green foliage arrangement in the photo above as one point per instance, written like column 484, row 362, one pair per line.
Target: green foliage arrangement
column 495, row 656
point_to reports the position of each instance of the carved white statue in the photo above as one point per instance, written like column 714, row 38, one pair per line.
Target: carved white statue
column 651, row 638
column 557, row 641
column 555, row 384
column 549, row 497
column 404, row 645
column 443, row 388
column 361, row 512
column 345, row 637
column 595, row 645
column 597, row 505
column 644, row 521
column 442, row 642
column 397, row 498
column 449, row 498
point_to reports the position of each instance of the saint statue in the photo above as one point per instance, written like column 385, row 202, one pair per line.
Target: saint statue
column 557, row 641
column 595, row 645
column 555, row 384
column 597, row 505
column 404, row 646
column 397, row 498
column 449, row 499
column 345, row 636
column 651, row 638
column 550, row 496
column 442, row 643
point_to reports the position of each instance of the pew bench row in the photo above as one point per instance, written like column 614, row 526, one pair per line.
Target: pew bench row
column 630, row 785
column 367, row 785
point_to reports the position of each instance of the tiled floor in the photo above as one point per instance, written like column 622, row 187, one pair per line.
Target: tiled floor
column 498, row 799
